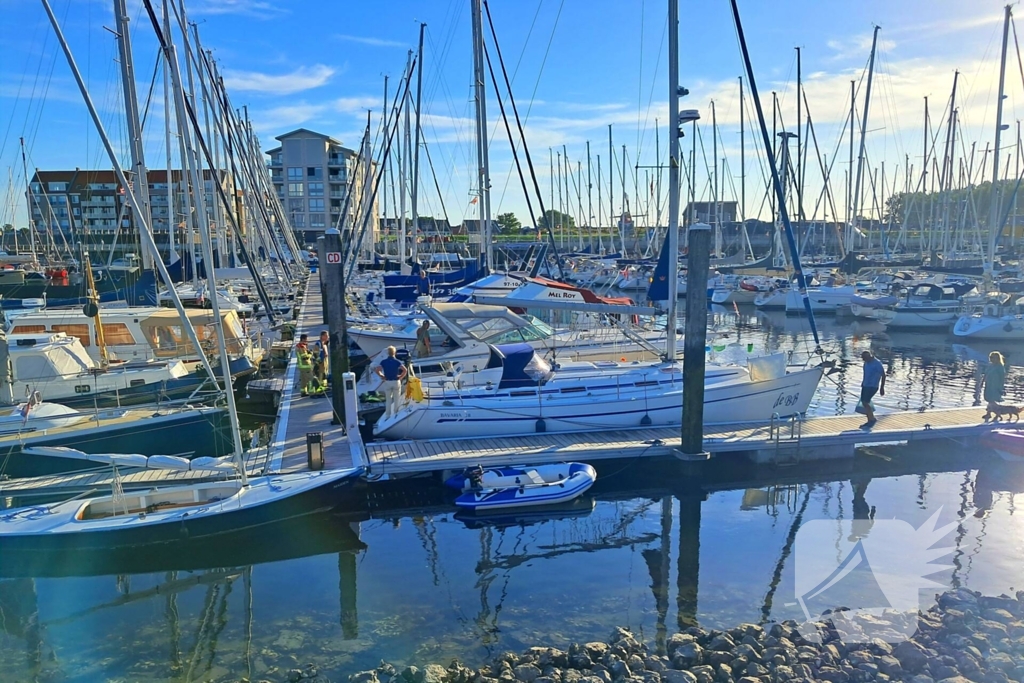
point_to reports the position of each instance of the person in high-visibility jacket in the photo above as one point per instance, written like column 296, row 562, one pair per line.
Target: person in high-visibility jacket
column 305, row 363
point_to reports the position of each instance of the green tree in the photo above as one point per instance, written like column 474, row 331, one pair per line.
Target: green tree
column 508, row 222
column 557, row 220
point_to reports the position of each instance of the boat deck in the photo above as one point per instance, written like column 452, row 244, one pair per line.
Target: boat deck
column 297, row 415
column 788, row 441
column 99, row 480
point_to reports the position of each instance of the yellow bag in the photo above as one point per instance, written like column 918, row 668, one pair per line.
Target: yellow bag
column 414, row 389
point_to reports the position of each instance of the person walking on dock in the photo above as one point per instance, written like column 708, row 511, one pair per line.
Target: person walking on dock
column 423, row 340
column 873, row 382
column 392, row 371
column 993, row 382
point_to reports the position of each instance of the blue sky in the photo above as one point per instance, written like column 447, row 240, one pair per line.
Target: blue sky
column 578, row 66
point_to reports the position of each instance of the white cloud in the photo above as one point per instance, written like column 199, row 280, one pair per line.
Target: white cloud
column 303, row 78
column 258, row 9
column 274, row 120
column 369, row 40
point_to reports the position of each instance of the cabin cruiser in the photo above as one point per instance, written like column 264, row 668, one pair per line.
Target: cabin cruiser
column 925, row 305
column 463, row 338
column 141, row 333
column 59, row 367
column 746, row 290
column 531, row 396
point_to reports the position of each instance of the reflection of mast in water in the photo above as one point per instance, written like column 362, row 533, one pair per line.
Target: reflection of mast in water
column 19, row 617
column 658, row 566
column 922, row 490
column 247, row 583
column 173, row 623
column 961, row 530
column 428, row 539
column 689, row 560
column 787, row 549
column 213, row 622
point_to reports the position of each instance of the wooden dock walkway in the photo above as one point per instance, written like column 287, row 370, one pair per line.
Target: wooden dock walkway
column 788, row 441
column 299, row 415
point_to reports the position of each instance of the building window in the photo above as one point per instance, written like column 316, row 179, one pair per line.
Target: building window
column 316, row 189
column 316, row 220
column 295, row 205
column 298, row 220
column 294, row 173
column 314, row 173
column 74, row 199
column 57, row 187
column 294, row 189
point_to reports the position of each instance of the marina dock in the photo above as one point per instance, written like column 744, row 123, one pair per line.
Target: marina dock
column 785, row 442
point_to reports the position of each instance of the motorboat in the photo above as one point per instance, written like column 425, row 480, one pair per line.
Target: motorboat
column 925, row 306
column 996, row 320
column 532, row 397
column 517, row 487
column 140, row 333
column 745, row 290
column 463, row 337
column 59, row 367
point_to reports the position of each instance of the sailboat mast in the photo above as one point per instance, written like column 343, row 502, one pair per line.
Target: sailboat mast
column 849, row 171
column 172, row 224
column 672, row 243
column 416, row 149
column 611, row 192
column 864, row 127
column 714, row 198
column 403, row 171
column 134, row 123
column 28, row 202
column 483, row 163
column 994, row 195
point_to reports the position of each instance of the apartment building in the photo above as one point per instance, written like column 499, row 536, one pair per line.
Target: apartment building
column 313, row 174
column 92, row 204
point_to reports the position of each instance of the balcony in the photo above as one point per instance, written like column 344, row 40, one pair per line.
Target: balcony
column 338, row 194
column 335, row 160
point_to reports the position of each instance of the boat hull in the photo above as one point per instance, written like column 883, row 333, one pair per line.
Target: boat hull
column 724, row 402
column 275, row 498
column 1005, row 328
column 200, row 432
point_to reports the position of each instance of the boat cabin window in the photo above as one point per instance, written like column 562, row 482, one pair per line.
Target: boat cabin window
column 80, row 331
column 117, row 334
column 28, row 329
column 34, row 368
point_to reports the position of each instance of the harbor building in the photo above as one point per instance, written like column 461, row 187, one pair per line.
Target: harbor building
column 89, row 207
column 313, row 174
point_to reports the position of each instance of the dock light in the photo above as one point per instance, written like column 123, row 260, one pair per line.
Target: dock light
column 315, row 450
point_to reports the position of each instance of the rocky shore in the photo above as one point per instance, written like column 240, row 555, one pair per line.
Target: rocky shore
column 965, row 637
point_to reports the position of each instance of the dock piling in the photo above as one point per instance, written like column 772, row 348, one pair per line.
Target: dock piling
column 698, row 261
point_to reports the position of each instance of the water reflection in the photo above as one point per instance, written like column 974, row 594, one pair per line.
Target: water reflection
column 653, row 555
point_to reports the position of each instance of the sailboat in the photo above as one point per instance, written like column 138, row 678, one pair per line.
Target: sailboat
column 164, row 514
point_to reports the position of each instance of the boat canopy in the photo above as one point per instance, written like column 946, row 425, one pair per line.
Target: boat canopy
column 522, row 367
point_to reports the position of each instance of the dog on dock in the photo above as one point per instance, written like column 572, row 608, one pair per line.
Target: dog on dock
column 997, row 412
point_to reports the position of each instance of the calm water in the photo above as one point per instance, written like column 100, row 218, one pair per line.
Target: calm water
column 652, row 554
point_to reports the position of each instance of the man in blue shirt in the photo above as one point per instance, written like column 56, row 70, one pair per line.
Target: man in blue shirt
column 392, row 371
column 873, row 382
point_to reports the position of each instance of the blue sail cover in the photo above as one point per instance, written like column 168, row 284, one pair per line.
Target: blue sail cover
column 521, row 367
column 658, row 291
column 399, row 287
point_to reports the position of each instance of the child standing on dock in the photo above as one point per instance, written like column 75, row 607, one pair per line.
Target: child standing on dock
column 993, row 382
column 392, row 371
column 873, row 382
